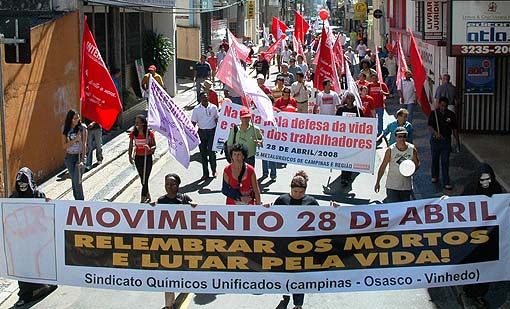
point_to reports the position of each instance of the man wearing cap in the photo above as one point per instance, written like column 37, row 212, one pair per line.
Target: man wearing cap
column 156, row 76
column 288, row 78
column 407, row 94
column 201, row 73
column 277, row 90
column 261, row 65
column 398, row 187
column 247, row 134
column 260, row 82
column 300, row 92
column 207, row 87
column 206, row 116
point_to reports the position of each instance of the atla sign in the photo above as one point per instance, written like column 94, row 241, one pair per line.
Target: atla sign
column 480, row 28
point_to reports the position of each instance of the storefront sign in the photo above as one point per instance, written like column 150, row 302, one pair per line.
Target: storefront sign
column 433, row 20
column 360, row 11
column 479, row 28
column 480, row 77
column 250, row 7
column 246, row 249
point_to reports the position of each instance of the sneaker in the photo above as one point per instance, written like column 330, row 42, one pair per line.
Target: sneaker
column 448, row 187
column 99, row 162
column 273, row 177
column 264, row 176
column 205, row 177
column 214, row 174
column 435, row 179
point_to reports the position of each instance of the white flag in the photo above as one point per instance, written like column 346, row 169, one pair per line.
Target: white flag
column 352, row 87
column 266, row 36
column 165, row 117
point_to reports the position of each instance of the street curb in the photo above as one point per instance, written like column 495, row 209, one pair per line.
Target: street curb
column 8, row 292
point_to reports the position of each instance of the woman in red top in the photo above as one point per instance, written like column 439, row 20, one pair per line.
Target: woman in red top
column 367, row 102
column 142, row 138
column 285, row 100
column 240, row 184
column 213, row 62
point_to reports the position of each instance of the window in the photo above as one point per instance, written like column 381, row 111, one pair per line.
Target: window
column 419, row 16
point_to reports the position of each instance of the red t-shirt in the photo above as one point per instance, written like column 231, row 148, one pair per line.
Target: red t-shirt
column 368, row 105
column 225, row 46
column 281, row 103
column 213, row 62
column 139, row 141
column 374, row 90
column 361, row 83
column 245, row 189
column 213, row 97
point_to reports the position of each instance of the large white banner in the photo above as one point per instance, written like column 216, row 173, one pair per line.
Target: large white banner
column 344, row 143
column 247, row 249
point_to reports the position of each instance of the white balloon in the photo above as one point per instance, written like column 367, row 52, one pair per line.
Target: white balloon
column 407, row 168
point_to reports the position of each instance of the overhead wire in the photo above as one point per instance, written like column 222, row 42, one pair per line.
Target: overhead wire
column 164, row 9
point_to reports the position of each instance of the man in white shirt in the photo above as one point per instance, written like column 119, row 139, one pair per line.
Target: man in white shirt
column 407, row 94
column 286, row 54
column 205, row 115
column 327, row 101
column 391, row 79
column 352, row 60
column 300, row 92
column 343, row 38
column 361, row 49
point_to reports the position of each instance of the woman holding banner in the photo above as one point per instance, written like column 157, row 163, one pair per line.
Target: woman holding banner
column 142, row 138
column 74, row 141
column 296, row 196
column 240, row 184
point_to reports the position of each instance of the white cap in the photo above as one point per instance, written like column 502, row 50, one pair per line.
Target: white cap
column 260, row 76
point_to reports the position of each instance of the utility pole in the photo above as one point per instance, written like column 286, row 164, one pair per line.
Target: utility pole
column 240, row 19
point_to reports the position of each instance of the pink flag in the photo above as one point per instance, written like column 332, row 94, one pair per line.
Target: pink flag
column 271, row 51
column 232, row 74
column 243, row 52
column 167, row 118
column 378, row 66
column 402, row 64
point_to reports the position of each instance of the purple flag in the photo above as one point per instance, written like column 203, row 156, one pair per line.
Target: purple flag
column 165, row 117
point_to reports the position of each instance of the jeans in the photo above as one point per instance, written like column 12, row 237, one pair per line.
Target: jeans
column 410, row 108
column 391, row 82
column 441, row 149
column 269, row 165
column 298, row 299
column 72, row 162
column 206, row 150
column 380, row 115
column 394, row 196
column 250, row 161
column 139, row 163
column 94, row 138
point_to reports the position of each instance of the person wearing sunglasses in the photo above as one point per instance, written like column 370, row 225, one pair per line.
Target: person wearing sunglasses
column 285, row 100
column 399, row 188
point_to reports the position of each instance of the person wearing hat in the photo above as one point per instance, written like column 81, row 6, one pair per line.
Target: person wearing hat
column 277, row 90
column 260, row 82
column 156, row 76
column 399, row 188
column 407, row 94
column 300, row 92
column 246, row 134
column 288, row 78
column 261, row 65
column 207, row 87
column 205, row 115
column 201, row 73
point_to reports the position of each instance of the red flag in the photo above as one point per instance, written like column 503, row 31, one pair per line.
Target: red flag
column 419, row 75
column 338, row 52
column 100, row 100
column 301, row 27
column 278, row 27
column 402, row 64
column 378, row 66
column 326, row 67
column 271, row 51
